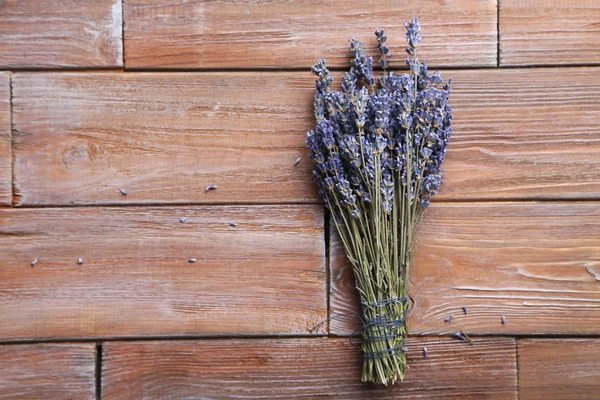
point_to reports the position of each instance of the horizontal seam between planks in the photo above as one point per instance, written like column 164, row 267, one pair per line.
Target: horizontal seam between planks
column 515, row 336
column 311, row 203
column 281, row 336
column 282, row 70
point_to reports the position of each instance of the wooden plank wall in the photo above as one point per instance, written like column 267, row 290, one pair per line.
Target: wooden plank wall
column 48, row 371
column 122, row 277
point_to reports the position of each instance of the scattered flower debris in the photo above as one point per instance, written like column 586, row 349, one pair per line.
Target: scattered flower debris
column 297, row 161
column 232, row 224
column 462, row 336
column 80, row 261
column 425, row 352
column 192, row 260
column 449, row 318
column 124, row 192
column 467, row 337
column 465, row 310
column 210, row 187
column 503, row 320
column 34, row 262
column 182, row 219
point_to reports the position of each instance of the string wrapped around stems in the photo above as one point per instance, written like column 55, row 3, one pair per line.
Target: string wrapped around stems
column 378, row 145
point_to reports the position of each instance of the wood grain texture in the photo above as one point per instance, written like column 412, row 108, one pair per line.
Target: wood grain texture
column 163, row 137
column 267, row 34
column 5, row 141
column 518, row 134
column 553, row 369
column 303, row 368
column 48, row 371
column 524, row 134
column 537, row 264
column 61, row 34
column 264, row 276
column 549, row 32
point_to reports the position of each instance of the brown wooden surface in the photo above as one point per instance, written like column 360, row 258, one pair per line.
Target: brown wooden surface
column 5, row 142
column 524, row 134
column 54, row 34
column 535, row 263
column 234, row 34
column 549, row 32
column 264, row 276
column 306, row 368
column 48, row 371
column 492, row 241
column 559, row 369
column 164, row 137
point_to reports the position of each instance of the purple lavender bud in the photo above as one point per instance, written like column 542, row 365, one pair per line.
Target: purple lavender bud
column 383, row 50
column 362, row 65
column 387, row 192
column 325, row 130
column 322, row 100
column 413, row 33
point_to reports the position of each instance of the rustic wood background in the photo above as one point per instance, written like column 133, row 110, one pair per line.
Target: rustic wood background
column 161, row 98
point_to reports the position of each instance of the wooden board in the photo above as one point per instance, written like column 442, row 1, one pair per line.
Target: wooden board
column 538, row 264
column 55, row 34
column 553, row 369
column 311, row 368
column 48, row 371
column 5, row 141
column 524, row 134
column 264, row 276
column 164, row 137
column 549, row 32
column 266, row 34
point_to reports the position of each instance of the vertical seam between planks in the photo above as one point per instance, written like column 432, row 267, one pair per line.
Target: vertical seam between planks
column 98, row 371
column 123, row 32
column 517, row 362
column 326, row 233
column 11, row 153
column 498, row 33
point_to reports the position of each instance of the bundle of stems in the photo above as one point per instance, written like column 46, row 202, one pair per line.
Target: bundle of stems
column 378, row 146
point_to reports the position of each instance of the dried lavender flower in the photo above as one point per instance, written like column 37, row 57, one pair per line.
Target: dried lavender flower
column 210, row 187
column 449, row 318
column 182, row 219
column 465, row 310
column 459, row 336
column 503, row 320
column 34, row 262
column 80, row 261
column 425, row 352
column 297, row 161
column 378, row 146
column 124, row 192
column 191, row 260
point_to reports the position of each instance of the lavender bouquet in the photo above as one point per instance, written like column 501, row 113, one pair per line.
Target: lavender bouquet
column 378, row 145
